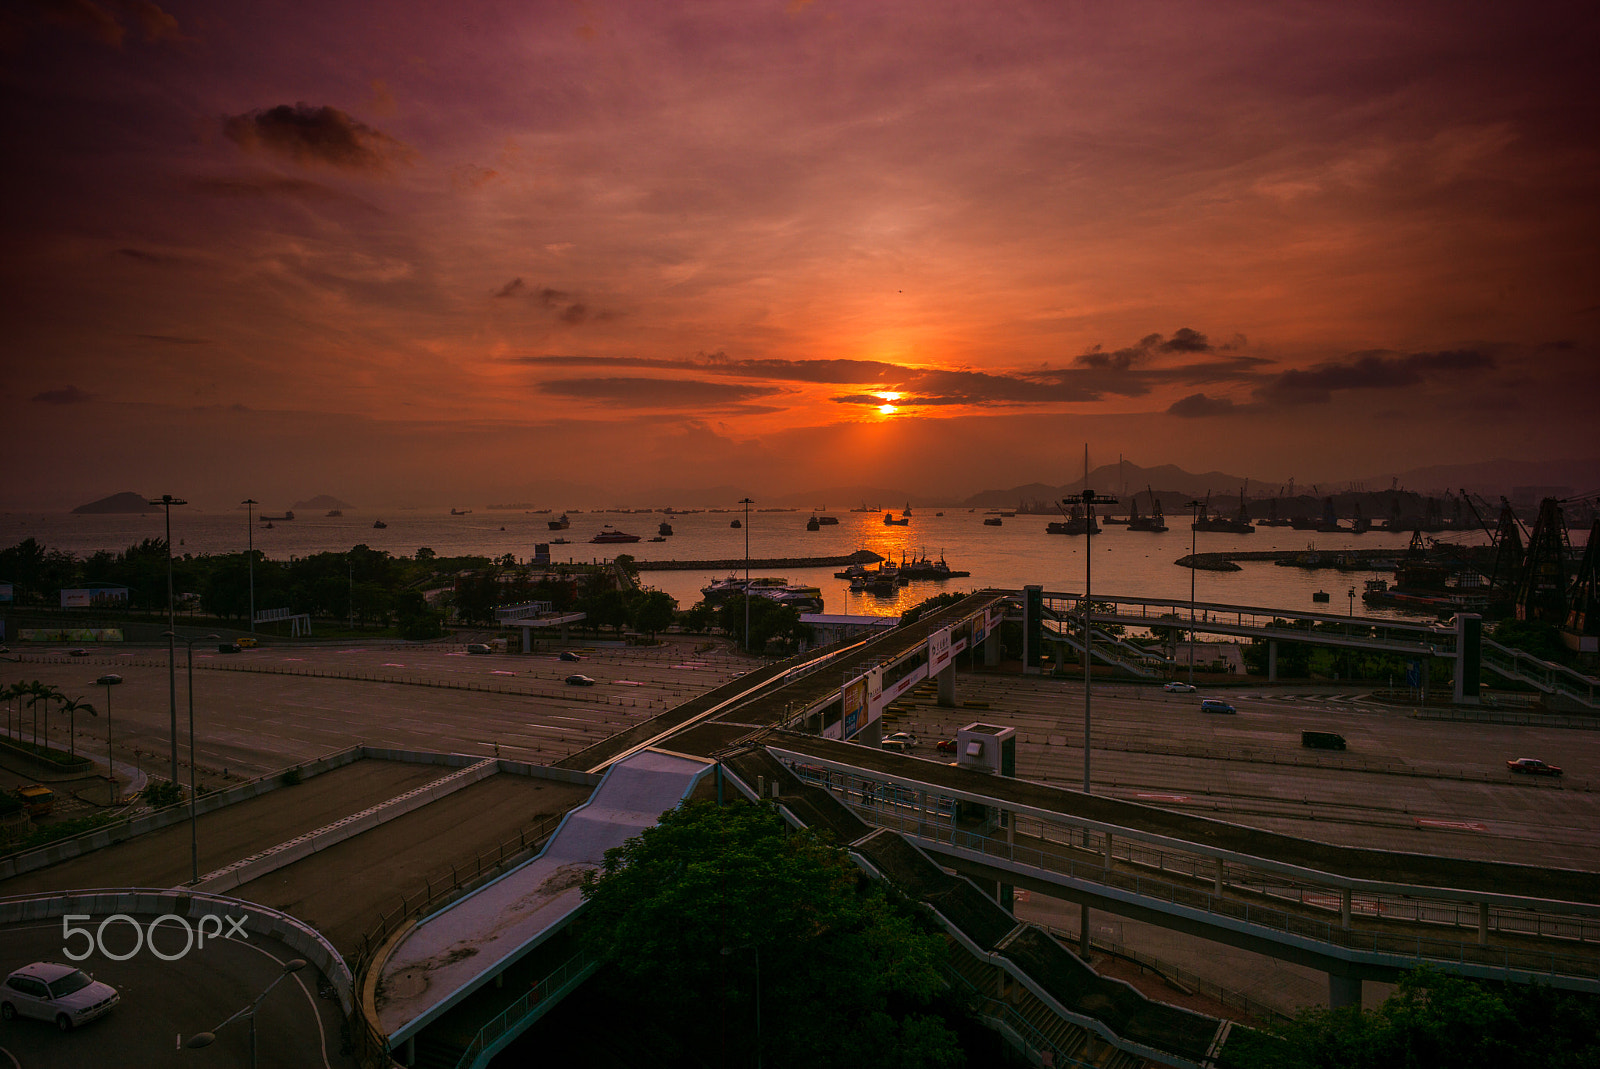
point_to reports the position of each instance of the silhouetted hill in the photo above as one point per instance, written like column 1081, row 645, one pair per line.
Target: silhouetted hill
column 127, row 501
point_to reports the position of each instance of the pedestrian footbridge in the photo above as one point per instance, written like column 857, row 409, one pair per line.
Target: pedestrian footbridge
column 437, row 990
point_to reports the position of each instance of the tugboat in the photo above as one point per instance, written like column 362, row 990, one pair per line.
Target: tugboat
column 890, row 521
column 664, row 530
column 813, row 524
column 460, row 512
column 735, row 525
column 560, row 525
column 378, row 525
column 992, row 521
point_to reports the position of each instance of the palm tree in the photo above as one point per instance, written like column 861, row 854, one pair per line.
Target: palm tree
column 9, row 694
column 70, row 706
column 42, row 692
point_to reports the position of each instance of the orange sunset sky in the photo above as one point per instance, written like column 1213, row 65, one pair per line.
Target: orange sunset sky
column 492, row 251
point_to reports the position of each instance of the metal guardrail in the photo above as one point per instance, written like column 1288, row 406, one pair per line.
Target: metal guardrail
column 371, row 1046
column 896, row 809
column 1548, row 677
column 1012, row 1018
column 546, row 991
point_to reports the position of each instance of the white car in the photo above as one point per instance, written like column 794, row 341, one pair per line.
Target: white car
column 54, row 992
column 901, row 736
column 1179, row 688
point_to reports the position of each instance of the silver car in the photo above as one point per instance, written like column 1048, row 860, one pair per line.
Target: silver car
column 54, row 992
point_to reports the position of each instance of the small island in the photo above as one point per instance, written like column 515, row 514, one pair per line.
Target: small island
column 125, row 502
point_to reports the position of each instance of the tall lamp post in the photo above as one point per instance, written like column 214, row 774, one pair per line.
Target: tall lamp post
column 1195, row 507
column 109, row 680
column 746, row 503
column 1090, row 499
column 205, row 1039
column 194, row 833
column 166, row 502
column 250, row 504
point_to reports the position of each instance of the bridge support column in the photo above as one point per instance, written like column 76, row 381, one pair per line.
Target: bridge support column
column 1083, row 931
column 1272, row 661
column 1343, row 991
column 1344, row 908
column 991, row 648
column 408, row 1051
column 947, row 685
column 1483, row 924
column 1469, row 657
column 527, row 640
column 1217, row 884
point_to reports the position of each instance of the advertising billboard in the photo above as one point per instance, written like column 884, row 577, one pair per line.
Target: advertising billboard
column 938, row 651
column 854, row 699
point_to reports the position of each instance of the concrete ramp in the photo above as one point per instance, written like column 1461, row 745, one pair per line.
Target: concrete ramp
column 449, row 955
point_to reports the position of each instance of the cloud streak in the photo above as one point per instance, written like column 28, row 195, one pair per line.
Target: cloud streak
column 309, row 134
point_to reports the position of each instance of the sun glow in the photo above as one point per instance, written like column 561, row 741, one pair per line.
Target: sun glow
column 888, row 408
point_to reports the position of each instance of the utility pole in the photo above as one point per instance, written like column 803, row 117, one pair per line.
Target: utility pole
column 1090, row 499
column 1194, row 506
column 166, row 502
column 746, row 503
column 249, row 504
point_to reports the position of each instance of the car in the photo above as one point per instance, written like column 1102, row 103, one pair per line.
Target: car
column 901, row 736
column 479, row 647
column 1532, row 766
column 1179, row 688
column 110, row 679
column 228, row 647
column 945, row 746
column 79, row 652
column 580, row 681
column 50, row 991
column 568, row 655
column 247, row 642
column 1214, row 705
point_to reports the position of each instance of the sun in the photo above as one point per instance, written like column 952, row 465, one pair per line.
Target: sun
column 887, row 410
column 888, row 407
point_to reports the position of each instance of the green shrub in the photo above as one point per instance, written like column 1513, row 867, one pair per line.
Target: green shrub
column 162, row 792
column 291, row 778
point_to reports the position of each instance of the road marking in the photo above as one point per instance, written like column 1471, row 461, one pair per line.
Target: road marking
column 391, row 664
column 1162, row 797
column 500, row 672
column 1451, row 825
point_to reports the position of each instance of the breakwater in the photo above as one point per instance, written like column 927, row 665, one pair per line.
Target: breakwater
column 1344, row 559
column 860, row 556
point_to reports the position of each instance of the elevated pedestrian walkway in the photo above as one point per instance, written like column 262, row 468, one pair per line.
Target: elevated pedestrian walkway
column 444, row 959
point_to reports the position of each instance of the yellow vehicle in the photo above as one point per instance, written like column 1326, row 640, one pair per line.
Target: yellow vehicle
column 245, row 643
column 38, row 799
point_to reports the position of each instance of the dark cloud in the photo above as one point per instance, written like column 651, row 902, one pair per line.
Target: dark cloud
column 67, row 395
column 154, row 259
column 514, row 288
column 1370, row 371
column 1198, row 404
column 101, row 21
column 568, row 310
column 655, row 393
column 1183, row 340
column 309, row 134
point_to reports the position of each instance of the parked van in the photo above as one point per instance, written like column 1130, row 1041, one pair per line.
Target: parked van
column 1215, row 705
column 1322, row 740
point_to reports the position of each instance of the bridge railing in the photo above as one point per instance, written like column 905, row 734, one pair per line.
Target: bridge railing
column 545, row 992
column 1548, row 677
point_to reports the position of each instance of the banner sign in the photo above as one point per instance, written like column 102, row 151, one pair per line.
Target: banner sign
column 854, row 696
column 938, row 651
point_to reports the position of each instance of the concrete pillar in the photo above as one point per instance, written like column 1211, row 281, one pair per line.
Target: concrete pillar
column 947, row 685
column 991, row 648
column 527, row 640
column 1469, row 657
column 1343, row 991
column 1272, row 661
column 1344, row 909
column 408, row 1051
column 1217, row 885
column 1483, row 924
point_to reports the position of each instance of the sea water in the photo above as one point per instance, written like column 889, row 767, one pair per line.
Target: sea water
column 1016, row 554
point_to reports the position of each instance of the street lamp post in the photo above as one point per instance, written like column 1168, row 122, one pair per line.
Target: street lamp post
column 194, row 833
column 109, row 680
column 1194, row 519
column 249, row 504
column 1090, row 499
column 205, row 1039
column 746, row 503
column 166, row 502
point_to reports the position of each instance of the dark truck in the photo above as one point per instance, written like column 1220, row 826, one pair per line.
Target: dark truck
column 1322, row 740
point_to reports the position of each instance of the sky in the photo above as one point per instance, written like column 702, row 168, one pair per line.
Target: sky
column 494, row 251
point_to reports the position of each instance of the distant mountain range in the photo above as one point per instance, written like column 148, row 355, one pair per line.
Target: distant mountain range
column 125, row 502
column 323, row 501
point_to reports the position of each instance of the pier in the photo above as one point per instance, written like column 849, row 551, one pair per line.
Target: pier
column 860, row 556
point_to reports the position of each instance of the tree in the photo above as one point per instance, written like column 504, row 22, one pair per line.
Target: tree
column 654, row 611
column 938, row 601
column 1434, row 1018
column 42, row 693
column 848, row 977
column 416, row 621
column 72, row 706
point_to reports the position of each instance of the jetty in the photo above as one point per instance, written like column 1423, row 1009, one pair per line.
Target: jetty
column 860, row 556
